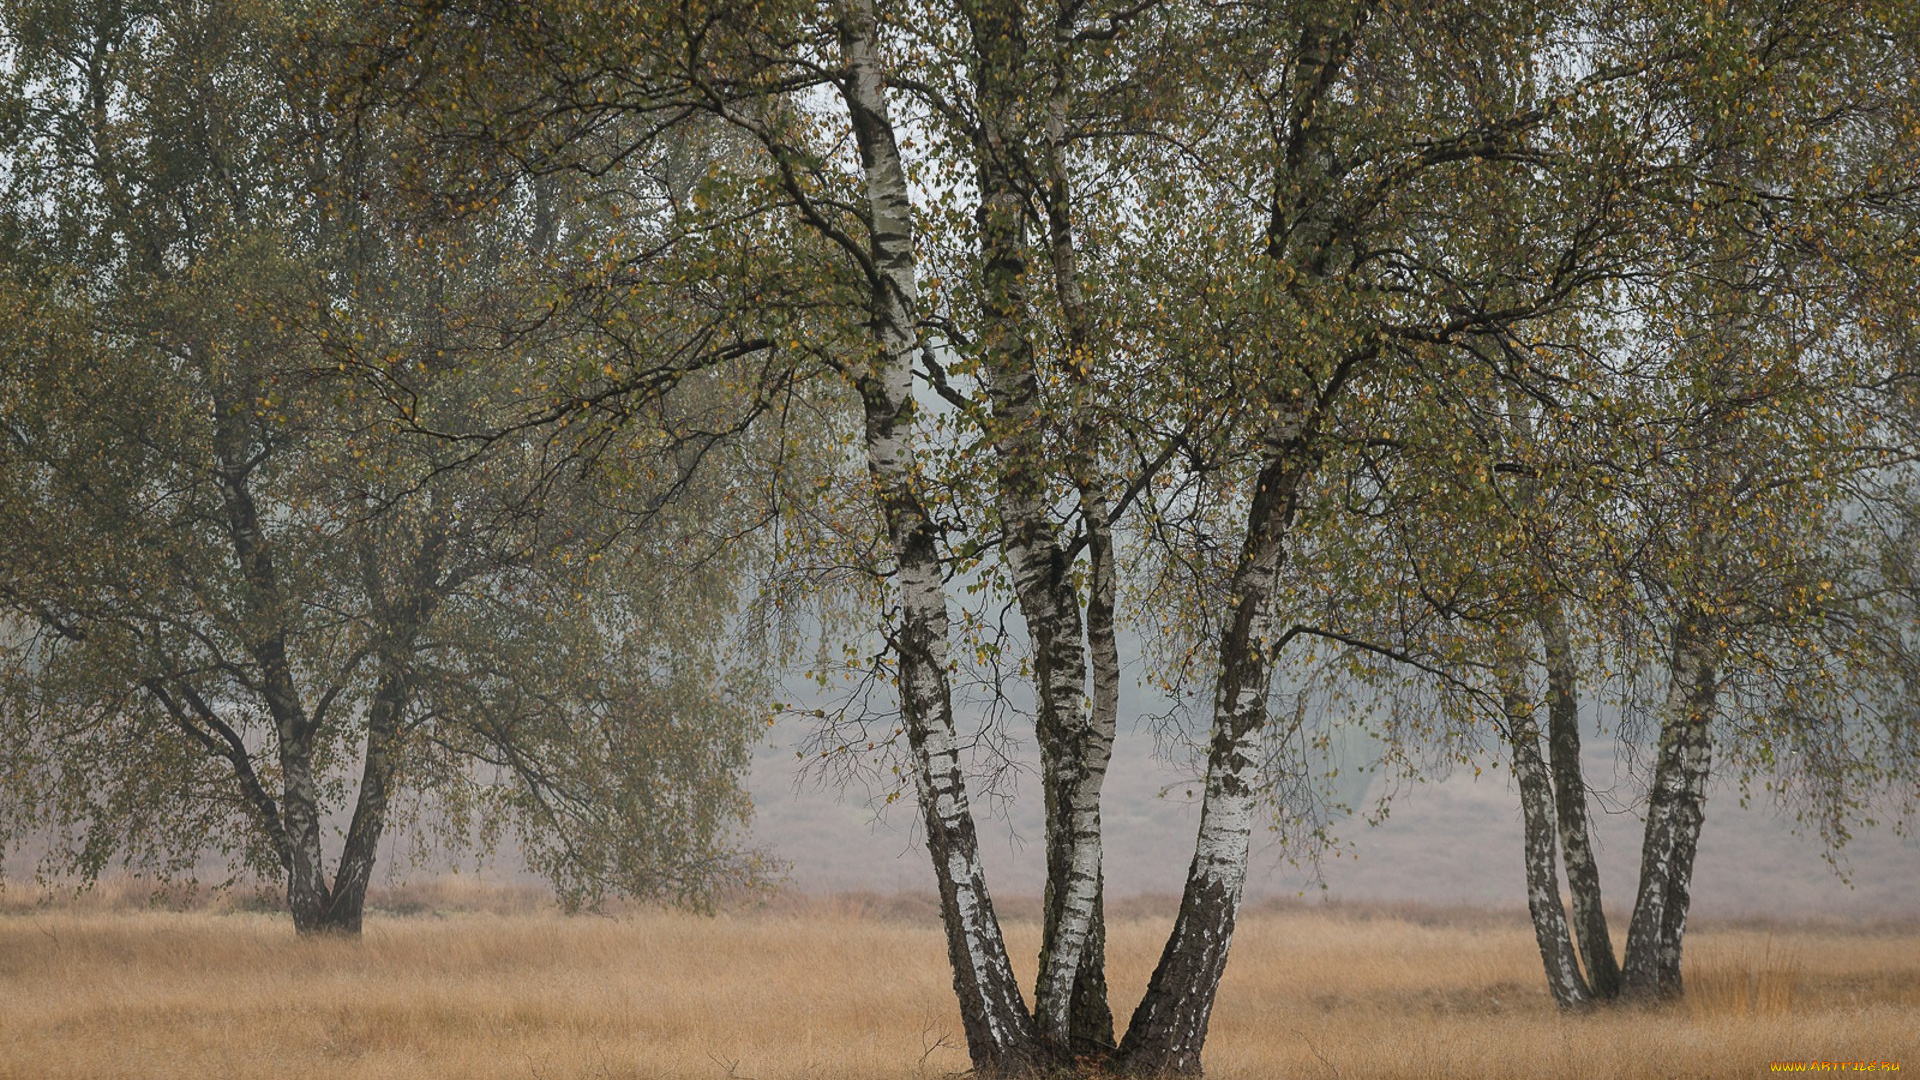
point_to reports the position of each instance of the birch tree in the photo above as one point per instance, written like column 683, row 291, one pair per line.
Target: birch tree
column 1689, row 487
column 255, row 598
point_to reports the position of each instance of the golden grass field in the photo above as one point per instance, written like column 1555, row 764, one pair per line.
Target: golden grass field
column 858, row 988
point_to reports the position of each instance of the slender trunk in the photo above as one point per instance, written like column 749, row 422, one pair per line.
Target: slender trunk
column 398, row 620
column 1074, row 751
column 1568, row 777
column 1676, row 803
column 1091, row 1032
column 1169, row 1027
column 1675, row 811
column 355, row 871
column 307, row 894
column 308, row 897
column 1072, row 979
column 999, row 1030
column 1091, row 1025
column 1570, row 804
column 1091, row 1035
column 1557, row 952
column 1695, row 760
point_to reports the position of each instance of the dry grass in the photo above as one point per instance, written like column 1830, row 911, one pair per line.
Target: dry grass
column 444, row 894
column 857, row 987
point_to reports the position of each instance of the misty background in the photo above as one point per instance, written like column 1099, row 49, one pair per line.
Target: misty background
column 1451, row 841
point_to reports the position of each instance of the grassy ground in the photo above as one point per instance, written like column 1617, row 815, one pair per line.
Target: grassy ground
column 858, row 988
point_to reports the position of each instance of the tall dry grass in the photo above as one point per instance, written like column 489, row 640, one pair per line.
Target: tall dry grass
column 857, row 988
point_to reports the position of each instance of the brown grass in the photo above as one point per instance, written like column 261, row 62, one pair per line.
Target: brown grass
column 442, row 894
column 857, row 987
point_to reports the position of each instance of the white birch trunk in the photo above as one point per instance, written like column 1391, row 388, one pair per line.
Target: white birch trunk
column 1570, row 804
column 1675, row 812
column 1169, row 1028
column 1074, row 748
column 1550, row 930
column 998, row 1027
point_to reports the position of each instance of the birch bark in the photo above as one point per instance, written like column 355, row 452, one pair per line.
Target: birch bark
column 1091, row 1024
column 1169, row 1028
column 1675, row 811
column 1570, row 804
column 999, row 1030
column 1567, row 778
column 1563, row 771
column 1557, row 954
column 1074, row 750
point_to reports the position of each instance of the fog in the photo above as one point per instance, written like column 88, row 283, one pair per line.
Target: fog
column 1452, row 842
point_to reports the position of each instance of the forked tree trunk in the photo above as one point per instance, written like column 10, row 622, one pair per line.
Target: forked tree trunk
column 1676, row 808
column 266, row 640
column 1169, row 1028
column 999, row 1030
column 1557, row 952
column 1570, row 805
column 1568, row 776
column 316, row 906
column 1074, row 746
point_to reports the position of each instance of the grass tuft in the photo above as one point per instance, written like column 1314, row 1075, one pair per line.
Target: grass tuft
column 1754, row 985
